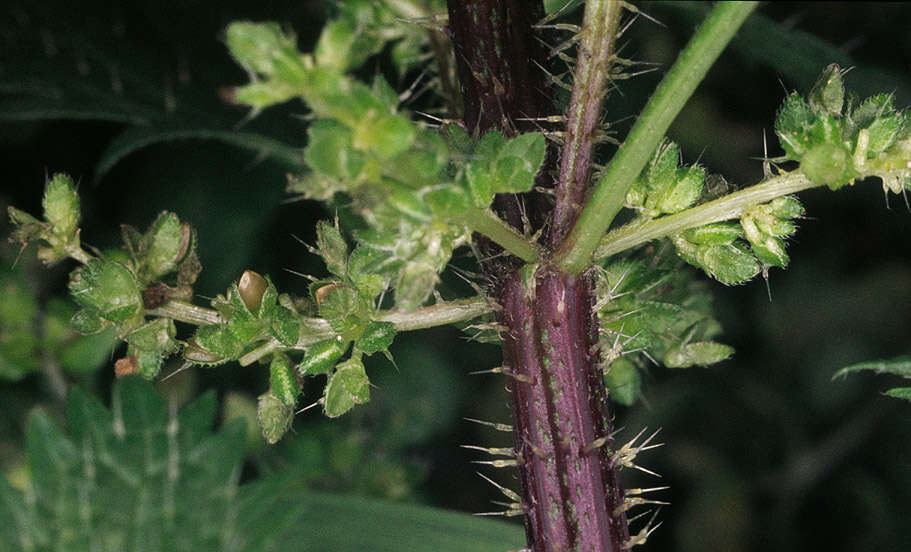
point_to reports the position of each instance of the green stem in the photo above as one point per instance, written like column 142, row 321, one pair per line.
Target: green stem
column 187, row 312
column 318, row 329
column 79, row 254
column 449, row 312
column 484, row 221
column 724, row 208
column 662, row 108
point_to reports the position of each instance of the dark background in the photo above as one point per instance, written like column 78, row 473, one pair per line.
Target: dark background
column 763, row 451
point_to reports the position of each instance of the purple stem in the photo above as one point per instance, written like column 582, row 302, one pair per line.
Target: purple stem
column 570, row 491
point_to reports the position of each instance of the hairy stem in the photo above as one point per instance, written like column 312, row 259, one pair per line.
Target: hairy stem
column 728, row 207
column 590, row 86
column 570, row 493
column 186, row 312
column 487, row 223
column 441, row 314
column 575, row 253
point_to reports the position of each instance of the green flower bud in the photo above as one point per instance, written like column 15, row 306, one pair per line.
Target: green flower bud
column 148, row 363
column 347, row 387
column 828, row 94
column 786, row 207
column 61, row 205
column 377, row 336
column 267, row 50
column 321, row 357
column 386, row 136
column 332, row 247
column 698, row 353
column 415, row 284
column 827, row 164
column 218, row 340
column 682, row 192
column 718, row 233
column 165, row 244
column 274, row 416
column 330, row 152
column 334, row 45
column 157, row 335
column 729, row 264
column 409, row 204
column 107, row 287
column 88, row 322
column 793, row 124
column 285, row 326
column 623, row 381
column 283, row 383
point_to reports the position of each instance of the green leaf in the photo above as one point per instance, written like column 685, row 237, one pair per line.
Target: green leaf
column 134, row 139
column 377, row 336
column 355, row 524
column 86, row 487
column 448, row 202
column 346, row 387
column 480, row 184
column 900, row 366
column 900, row 393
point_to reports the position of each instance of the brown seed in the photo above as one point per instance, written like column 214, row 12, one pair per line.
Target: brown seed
column 252, row 287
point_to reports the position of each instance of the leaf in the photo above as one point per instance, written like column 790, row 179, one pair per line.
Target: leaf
column 352, row 524
column 900, row 393
column 137, row 478
column 900, row 366
column 795, row 54
column 136, row 138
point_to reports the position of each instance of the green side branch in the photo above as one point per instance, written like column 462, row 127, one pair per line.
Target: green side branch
column 662, row 108
column 725, row 208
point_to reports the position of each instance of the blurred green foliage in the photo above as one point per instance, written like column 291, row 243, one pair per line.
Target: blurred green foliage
column 763, row 451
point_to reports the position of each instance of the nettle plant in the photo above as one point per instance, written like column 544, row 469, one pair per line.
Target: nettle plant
column 580, row 264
